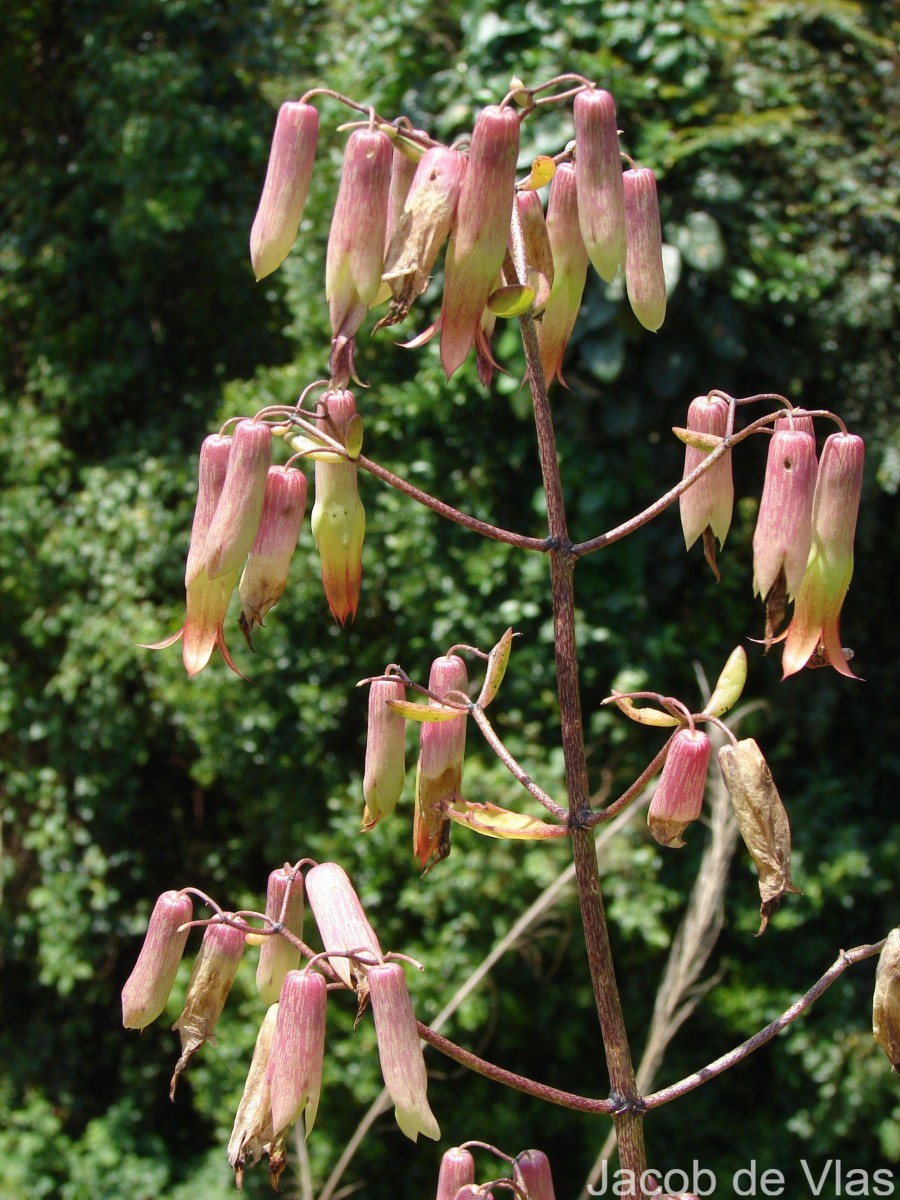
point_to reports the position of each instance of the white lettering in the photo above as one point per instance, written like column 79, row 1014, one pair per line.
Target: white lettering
column 601, row 1190
column 771, row 1183
column 857, row 1183
column 625, row 1184
column 884, row 1182
column 682, row 1184
column 697, row 1174
column 649, row 1182
column 750, row 1172
column 817, row 1186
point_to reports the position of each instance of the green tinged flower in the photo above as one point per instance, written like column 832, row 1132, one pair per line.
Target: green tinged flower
column 276, row 954
column 645, row 281
column 338, row 517
column 440, row 765
column 265, row 574
column 400, row 1051
column 385, row 769
column 294, row 1072
column 570, row 263
column 708, row 503
column 598, row 173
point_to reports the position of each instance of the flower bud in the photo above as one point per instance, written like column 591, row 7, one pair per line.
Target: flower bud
column 148, row 986
column 440, row 765
column 287, row 183
column 385, row 751
column 276, row 954
column 476, row 251
column 298, row 1051
column 338, row 517
column 784, row 526
column 678, row 798
column 570, row 263
column 830, row 565
column 457, row 1169
column 252, row 1134
column 532, row 1170
column 355, row 253
column 211, row 479
column 236, row 520
column 214, row 970
column 886, row 1002
column 342, row 923
column 422, row 227
column 598, row 171
column 645, row 281
column 707, row 504
column 400, row 1051
column 265, row 574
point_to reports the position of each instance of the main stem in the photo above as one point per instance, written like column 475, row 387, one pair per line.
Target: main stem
column 623, row 1089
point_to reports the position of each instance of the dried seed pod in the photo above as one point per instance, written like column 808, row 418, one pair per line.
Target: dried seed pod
column 252, row 1133
column 763, row 822
column 886, row 1003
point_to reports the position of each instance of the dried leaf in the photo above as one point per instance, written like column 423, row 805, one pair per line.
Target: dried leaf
column 697, row 439
column 502, row 823
column 643, row 716
column 886, row 1002
column 763, row 822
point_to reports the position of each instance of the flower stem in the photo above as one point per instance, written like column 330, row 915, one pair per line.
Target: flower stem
column 628, row 1116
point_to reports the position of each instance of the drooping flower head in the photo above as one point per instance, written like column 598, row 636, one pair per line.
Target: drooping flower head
column 598, row 172
column 440, row 765
column 570, row 263
column 343, row 925
column 814, row 627
column 400, row 1051
column 338, row 517
column 276, row 954
column 784, row 526
column 476, row 250
column 265, row 574
column 678, row 798
column 213, row 973
column 148, row 986
column 286, row 187
column 422, row 227
column 385, row 751
column 708, row 503
column 355, row 253
column 294, row 1073
column 645, row 281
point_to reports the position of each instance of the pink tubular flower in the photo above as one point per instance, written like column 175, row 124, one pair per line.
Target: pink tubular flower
column 287, row 183
column 440, row 765
column 817, row 609
column 570, row 263
column 385, row 751
column 678, row 798
column 598, row 172
column 457, row 1169
column 214, row 970
column 338, row 517
column 708, row 502
column 476, row 251
column 148, row 986
column 784, row 526
column 265, row 574
column 532, row 1170
column 400, row 1051
column 276, row 954
column 356, row 241
column 294, row 1073
column 422, row 226
column 236, row 520
column 342, row 923
column 645, row 281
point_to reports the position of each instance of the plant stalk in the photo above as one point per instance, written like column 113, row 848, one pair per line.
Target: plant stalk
column 628, row 1117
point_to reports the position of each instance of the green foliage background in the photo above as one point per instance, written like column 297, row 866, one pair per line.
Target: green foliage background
column 133, row 145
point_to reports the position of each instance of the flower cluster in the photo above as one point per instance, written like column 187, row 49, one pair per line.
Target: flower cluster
column 803, row 543
column 285, row 1077
column 402, row 196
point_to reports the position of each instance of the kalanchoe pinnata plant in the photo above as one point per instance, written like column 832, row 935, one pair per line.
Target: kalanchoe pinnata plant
column 401, row 195
column 266, row 571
